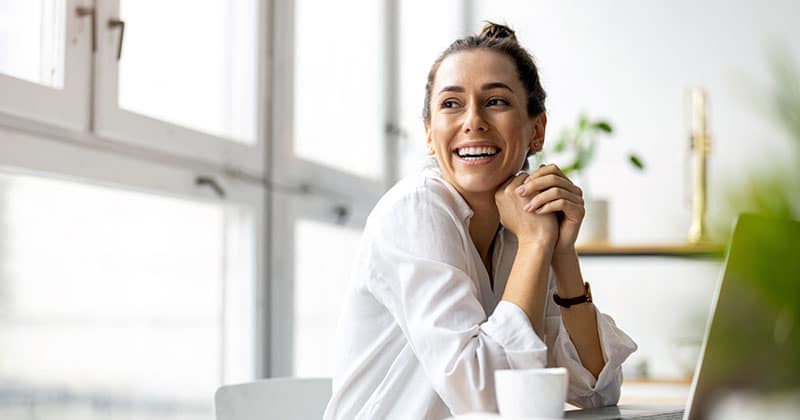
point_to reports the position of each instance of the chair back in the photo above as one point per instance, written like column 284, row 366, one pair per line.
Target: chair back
column 274, row 399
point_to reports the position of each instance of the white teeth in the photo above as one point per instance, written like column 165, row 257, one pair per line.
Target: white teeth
column 473, row 153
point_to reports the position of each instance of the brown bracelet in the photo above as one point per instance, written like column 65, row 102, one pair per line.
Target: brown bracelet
column 586, row 297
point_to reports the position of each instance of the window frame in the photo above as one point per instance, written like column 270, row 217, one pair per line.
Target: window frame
column 308, row 190
column 68, row 107
column 27, row 152
column 119, row 125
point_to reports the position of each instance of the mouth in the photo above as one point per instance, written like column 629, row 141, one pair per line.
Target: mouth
column 476, row 153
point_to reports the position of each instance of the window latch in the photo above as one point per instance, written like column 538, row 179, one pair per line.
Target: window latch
column 83, row 11
column 211, row 183
column 118, row 23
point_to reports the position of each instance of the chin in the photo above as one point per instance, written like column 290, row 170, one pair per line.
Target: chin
column 478, row 183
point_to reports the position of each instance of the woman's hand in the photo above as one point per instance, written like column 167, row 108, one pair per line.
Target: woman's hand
column 548, row 191
column 529, row 228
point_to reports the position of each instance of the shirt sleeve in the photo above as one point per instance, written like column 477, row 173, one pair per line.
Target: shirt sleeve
column 584, row 390
column 415, row 273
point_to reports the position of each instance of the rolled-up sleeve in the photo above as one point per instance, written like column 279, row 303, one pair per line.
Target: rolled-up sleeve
column 414, row 273
column 584, row 389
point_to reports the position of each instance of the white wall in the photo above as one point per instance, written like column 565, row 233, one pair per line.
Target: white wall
column 633, row 62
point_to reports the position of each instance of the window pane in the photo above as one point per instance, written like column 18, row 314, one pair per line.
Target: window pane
column 338, row 89
column 192, row 63
column 32, row 41
column 323, row 256
column 111, row 302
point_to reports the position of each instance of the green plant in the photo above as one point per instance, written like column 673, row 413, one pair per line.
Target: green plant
column 770, row 290
column 578, row 144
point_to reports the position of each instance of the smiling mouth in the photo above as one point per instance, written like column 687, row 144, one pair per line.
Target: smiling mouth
column 476, row 153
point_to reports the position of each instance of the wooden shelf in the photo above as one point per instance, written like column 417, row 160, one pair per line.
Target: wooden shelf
column 644, row 250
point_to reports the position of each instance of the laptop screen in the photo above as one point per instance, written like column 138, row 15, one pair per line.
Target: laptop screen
column 752, row 344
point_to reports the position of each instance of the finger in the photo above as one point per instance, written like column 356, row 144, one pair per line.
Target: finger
column 548, row 181
column 517, row 180
column 550, row 168
column 512, row 183
column 544, row 169
column 572, row 211
column 553, row 194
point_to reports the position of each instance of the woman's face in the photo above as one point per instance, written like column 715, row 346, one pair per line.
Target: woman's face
column 480, row 131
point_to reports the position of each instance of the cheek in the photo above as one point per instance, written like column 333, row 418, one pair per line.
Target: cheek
column 441, row 130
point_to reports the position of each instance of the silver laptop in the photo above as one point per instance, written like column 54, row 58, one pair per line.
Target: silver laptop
column 753, row 337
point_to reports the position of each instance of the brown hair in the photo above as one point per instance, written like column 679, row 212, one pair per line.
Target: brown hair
column 500, row 38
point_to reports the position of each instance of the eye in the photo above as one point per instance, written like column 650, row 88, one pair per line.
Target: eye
column 449, row 103
column 497, row 101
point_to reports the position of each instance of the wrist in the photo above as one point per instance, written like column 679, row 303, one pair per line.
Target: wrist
column 569, row 281
column 564, row 251
column 564, row 256
column 536, row 244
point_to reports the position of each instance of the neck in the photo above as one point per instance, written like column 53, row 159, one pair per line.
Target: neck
column 485, row 221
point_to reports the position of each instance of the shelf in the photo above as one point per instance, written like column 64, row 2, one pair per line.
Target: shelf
column 645, row 250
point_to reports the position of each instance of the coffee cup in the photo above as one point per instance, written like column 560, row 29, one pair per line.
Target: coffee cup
column 531, row 393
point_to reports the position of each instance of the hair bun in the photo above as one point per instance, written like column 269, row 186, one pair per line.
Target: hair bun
column 495, row 30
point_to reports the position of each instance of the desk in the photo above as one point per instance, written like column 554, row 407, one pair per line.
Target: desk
column 670, row 392
column 659, row 400
column 604, row 249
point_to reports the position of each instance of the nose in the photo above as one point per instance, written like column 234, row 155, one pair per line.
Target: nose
column 474, row 121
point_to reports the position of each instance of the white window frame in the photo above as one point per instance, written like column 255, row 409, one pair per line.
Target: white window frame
column 67, row 107
column 303, row 189
column 61, row 133
column 34, row 153
column 115, row 123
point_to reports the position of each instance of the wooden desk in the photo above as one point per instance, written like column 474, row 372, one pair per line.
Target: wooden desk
column 605, row 249
column 675, row 392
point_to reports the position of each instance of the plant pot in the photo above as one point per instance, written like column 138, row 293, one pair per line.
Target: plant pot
column 594, row 228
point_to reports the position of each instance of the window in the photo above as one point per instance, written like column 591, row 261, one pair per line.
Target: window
column 329, row 162
column 45, row 57
column 205, row 76
column 187, row 85
column 132, row 206
column 134, row 301
column 33, row 52
column 323, row 255
column 182, row 77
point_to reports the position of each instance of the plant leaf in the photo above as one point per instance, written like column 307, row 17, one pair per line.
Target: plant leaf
column 636, row 161
column 604, row 126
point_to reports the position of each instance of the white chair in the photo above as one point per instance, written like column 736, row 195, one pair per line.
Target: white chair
column 274, row 399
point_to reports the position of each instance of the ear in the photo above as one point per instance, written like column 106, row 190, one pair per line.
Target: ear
column 537, row 136
column 429, row 139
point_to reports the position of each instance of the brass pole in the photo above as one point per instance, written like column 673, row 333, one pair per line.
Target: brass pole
column 701, row 147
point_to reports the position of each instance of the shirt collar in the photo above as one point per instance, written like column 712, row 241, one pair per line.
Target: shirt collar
column 462, row 210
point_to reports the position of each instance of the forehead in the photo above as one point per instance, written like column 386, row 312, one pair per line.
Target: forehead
column 476, row 67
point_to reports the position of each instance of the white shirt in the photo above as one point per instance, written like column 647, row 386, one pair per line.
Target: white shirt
column 422, row 332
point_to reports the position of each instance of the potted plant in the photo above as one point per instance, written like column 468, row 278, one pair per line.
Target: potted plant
column 575, row 148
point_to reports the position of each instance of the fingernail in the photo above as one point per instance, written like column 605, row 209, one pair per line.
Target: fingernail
column 521, row 190
column 527, row 207
column 542, row 165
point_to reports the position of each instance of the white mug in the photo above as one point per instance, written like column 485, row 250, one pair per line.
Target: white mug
column 531, row 393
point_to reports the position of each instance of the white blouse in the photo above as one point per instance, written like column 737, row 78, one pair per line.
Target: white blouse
column 421, row 330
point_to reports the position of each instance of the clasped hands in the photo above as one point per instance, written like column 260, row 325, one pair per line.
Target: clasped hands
column 542, row 208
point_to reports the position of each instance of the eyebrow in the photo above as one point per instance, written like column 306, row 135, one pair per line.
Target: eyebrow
column 487, row 86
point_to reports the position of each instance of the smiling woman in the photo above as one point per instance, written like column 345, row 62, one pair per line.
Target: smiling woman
column 452, row 277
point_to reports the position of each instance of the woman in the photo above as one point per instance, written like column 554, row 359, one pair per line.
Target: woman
column 458, row 267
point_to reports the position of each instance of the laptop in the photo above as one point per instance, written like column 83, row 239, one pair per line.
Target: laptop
column 752, row 340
